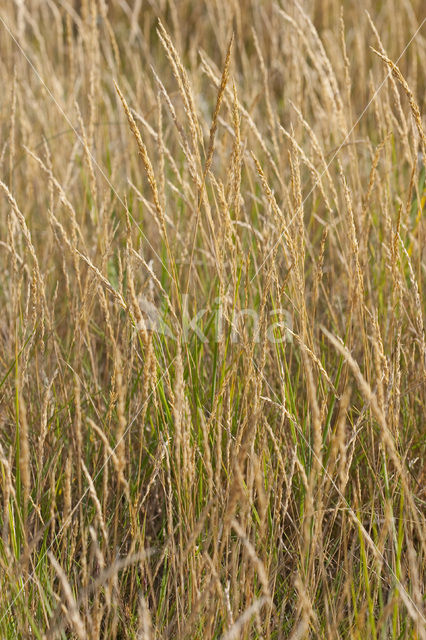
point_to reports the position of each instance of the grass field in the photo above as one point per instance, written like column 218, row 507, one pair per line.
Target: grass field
column 212, row 347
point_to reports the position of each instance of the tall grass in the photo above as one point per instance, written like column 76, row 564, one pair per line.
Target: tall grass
column 212, row 350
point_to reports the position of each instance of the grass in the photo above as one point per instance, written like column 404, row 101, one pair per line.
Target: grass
column 212, row 362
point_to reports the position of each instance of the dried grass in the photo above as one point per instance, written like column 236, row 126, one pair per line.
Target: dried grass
column 213, row 361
